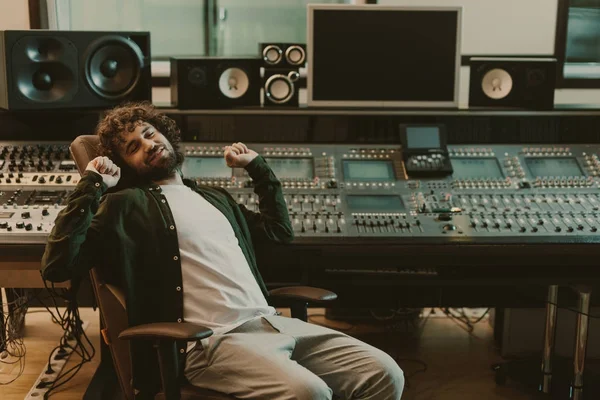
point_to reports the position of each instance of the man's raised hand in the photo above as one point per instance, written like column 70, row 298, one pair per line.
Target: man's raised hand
column 238, row 155
column 109, row 171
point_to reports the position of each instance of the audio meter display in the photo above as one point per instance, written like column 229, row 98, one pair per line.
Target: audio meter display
column 205, row 167
column 470, row 168
column 553, row 166
column 368, row 170
column 370, row 203
column 292, row 168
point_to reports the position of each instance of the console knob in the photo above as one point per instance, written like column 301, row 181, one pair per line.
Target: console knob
column 449, row 227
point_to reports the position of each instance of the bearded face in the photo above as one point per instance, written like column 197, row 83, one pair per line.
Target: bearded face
column 149, row 154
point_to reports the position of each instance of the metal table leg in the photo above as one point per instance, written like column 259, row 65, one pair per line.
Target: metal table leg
column 549, row 335
column 580, row 342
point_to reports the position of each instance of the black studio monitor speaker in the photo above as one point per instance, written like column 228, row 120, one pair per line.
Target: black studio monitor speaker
column 215, row 82
column 42, row 69
column 283, row 55
column 512, row 83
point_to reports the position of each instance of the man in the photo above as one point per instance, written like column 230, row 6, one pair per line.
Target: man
column 185, row 252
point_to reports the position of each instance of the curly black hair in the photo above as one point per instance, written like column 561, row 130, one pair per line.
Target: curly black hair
column 125, row 118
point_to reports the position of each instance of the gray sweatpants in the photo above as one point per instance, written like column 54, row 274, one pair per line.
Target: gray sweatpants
column 283, row 358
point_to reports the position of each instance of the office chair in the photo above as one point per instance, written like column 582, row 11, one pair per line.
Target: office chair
column 112, row 305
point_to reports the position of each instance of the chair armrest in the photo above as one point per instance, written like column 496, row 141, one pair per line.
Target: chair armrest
column 167, row 331
column 305, row 293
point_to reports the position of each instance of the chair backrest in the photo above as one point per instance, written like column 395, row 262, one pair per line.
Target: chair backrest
column 84, row 149
column 111, row 299
column 111, row 302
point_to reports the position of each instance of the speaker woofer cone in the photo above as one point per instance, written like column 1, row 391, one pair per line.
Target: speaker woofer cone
column 46, row 82
column 40, row 48
column 279, row 89
column 113, row 66
column 234, row 83
column 497, row 84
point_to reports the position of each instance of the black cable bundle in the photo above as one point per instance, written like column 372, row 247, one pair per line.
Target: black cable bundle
column 12, row 347
column 462, row 319
column 72, row 325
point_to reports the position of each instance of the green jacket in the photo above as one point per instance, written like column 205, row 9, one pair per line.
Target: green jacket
column 132, row 237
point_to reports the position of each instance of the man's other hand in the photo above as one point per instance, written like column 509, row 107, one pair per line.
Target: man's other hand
column 238, row 155
column 109, row 171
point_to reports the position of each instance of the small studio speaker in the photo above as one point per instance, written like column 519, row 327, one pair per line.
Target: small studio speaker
column 512, row 83
column 280, row 87
column 283, row 55
column 42, row 69
column 215, row 82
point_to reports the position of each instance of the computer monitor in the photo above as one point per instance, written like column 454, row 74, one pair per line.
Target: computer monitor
column 383, row 56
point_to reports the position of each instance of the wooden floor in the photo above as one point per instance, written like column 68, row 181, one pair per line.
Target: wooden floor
column 458, row 363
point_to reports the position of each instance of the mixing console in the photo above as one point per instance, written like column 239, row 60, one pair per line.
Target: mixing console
column 34, row 182
column 364, row 191
column 356, row 191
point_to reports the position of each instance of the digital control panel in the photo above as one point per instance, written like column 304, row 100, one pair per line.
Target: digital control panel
column 424, row 149
column 368, row 191
column 499, row 191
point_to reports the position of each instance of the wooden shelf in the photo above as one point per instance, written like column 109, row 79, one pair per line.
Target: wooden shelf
column 563, row 110
column 306, row 111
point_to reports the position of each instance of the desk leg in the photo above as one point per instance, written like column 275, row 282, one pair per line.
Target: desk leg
column 549, row 335
column 580, row 343
column 3, row 315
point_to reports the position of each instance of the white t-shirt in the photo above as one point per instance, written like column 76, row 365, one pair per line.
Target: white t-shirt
column 219, row 289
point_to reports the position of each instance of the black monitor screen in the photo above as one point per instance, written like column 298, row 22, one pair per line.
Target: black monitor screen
column 384, row 55
column 205, row 167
